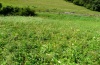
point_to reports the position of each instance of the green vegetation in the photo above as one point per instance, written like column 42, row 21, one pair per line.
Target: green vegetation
column 10, row 10
column 53, row 37
column 50, row 5
column 0, row 5
column 56, row 39
column 90, row 4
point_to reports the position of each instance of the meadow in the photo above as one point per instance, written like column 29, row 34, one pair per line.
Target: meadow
column 52, row 40
column 49, row 38
column 50, row 5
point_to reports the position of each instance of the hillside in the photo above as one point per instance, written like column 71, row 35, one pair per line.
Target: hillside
column 53, row 40
column 52, row 37
column 50, row 5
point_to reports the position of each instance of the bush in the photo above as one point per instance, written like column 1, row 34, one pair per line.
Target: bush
column 96, row 5
column 27, row 12
column 9, row 10
column 0, row 5
column 90, row 4
column 76, row 2
column 16, row 11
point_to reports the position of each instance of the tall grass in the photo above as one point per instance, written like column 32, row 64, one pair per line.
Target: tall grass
column 49, row 39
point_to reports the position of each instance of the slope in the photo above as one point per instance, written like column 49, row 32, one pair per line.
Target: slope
column 50, row 5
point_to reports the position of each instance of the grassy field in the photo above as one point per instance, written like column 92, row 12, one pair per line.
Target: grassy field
column 50, row 5
column 50, row 38
column 53, row 40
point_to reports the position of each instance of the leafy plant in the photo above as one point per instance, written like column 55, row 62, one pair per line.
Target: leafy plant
column 10, row 10
column 27, row 12
column 0, row 5
column 90, row 4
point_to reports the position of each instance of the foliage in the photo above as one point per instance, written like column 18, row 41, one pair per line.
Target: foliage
column 90, row 4
column 7, row 10
column 27, row 12
column 10, row 10
column 50, row 39
column 51, row 6
column 0, row 5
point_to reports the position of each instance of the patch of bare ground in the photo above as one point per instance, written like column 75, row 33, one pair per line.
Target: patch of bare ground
column 74, row 13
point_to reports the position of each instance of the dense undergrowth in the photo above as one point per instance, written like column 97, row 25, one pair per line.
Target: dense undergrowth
column 10, row 10
column 90, row 4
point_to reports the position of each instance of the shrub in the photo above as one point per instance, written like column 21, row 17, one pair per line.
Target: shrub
column 81, row 2
column 9, row 10
column 16, row 9
column 96, row 5
column 90, row 4
column 0, row 5
column 27, row 12
column 76, row 2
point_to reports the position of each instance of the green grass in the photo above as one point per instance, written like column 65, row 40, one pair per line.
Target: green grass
column 50, row 5
column 50, row 39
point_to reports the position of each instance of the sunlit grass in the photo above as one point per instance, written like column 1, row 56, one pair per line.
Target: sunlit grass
column 50, row 5
column 49, row 39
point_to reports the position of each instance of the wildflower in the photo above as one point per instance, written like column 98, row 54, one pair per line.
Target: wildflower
column 59, row 61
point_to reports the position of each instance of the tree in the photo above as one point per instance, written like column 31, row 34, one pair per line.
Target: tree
column 90, row 4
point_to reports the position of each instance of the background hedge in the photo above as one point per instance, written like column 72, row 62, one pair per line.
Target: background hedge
column 90, row 4
column 10, row 10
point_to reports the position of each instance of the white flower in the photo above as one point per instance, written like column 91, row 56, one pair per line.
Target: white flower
column 59, row 61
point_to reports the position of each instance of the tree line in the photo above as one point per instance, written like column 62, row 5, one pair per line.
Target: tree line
column 90, row 4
